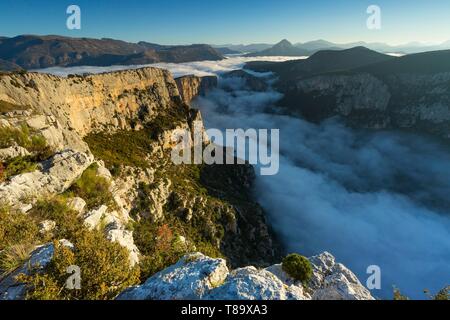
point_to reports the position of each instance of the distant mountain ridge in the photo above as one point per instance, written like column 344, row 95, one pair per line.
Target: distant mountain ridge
column 320, row 44
column 321, row 62
column 34, row 52
column 282, row 48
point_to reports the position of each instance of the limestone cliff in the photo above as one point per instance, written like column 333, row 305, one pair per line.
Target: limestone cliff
column 97, row 148
column 192, row 86
column 419, row 102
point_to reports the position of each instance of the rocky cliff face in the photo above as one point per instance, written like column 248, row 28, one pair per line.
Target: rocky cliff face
column 93, row 102
column 192, row 86
column 97, row 149
column 409, row 101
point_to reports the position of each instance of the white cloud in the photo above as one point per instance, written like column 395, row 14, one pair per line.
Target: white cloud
column 201, row 68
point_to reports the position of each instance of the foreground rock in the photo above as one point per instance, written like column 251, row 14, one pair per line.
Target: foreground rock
column 10, row 288
column 199, row 277
column 56, row 175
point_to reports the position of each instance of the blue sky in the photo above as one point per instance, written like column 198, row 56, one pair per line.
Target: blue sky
column 231, row 21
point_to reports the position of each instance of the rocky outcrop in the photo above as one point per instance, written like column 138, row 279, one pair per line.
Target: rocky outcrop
column 55, row 176
column 13, row 152
column 418, row 102
column 199, row 277
column 11, row 288
column 192, row 86
column 97, row 102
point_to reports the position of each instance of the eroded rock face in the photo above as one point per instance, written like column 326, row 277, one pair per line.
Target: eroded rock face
column 13, row 152
column 417, row 101
column 192, row 86
column 190, row 278
column 55, row 176
column 250, row 283
column 199, row 277
column 95, row 102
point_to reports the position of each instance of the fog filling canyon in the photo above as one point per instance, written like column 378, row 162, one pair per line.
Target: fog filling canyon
column 369, row 198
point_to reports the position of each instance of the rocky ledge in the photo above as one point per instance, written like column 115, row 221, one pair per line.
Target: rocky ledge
column 197, row 276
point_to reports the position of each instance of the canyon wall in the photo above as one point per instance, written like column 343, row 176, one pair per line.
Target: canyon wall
column 417, row 102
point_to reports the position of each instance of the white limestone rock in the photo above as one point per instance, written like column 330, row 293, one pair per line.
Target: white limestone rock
column 93, row 218
column 55, row 176
column 47, row 226
column 334, row 281
column 250, row 283
column 190, row 278
column 125, row 239
column 199, row 277
column 13, row 152
column 77, row 204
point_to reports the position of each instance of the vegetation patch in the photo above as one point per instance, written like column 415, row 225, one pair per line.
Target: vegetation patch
column 298, row 267
column 93, row 188
column 26, row 138
column 123, row 148
column 17, row 166
column 104, row 265
column 18, row 233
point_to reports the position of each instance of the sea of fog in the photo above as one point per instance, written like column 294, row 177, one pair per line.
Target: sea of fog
column 369, row 198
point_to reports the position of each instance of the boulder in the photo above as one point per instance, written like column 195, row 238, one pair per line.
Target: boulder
column 55, row 176
column 333, row 281
column 77, row 204
column 190, row 278
column 125, row 239
column 94, row 218
column 250, row 283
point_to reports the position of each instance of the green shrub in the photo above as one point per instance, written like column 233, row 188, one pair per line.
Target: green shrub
column 104, row 265
column 298, row 267
column 26, row 138
column 123, row 148
column 68, row 224
column 17, row 166
column 93, row 188
column 9, row 136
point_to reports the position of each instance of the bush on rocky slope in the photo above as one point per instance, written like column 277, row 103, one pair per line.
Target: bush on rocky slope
column 104, row 265
column 18, row 233
column 93, row 188
column 298, row 267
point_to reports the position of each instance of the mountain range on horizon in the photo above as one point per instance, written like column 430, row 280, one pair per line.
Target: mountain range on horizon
column 310, row 47
column 36, row 52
